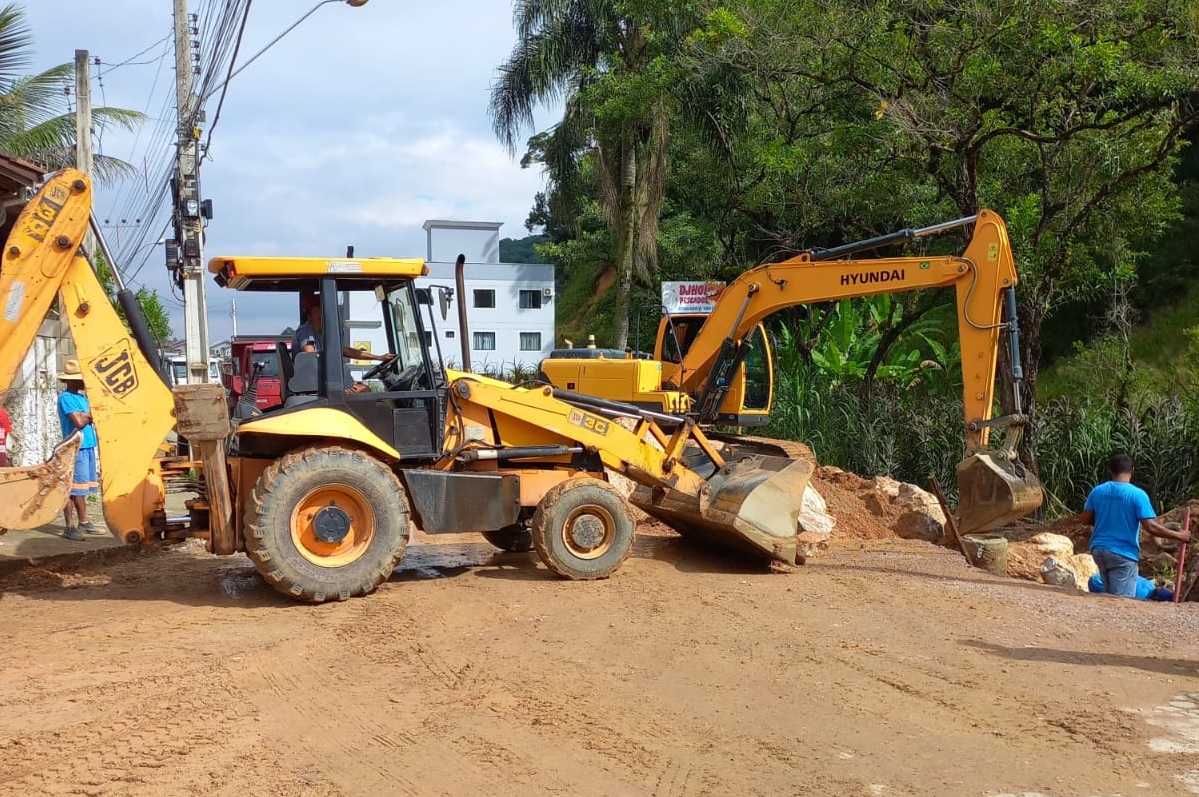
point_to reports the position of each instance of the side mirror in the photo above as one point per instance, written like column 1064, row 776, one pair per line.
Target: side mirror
column 444, row 296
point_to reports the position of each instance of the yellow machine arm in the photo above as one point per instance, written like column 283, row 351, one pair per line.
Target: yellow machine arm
column 130, row 405
column 752, row 504
column 980, row 276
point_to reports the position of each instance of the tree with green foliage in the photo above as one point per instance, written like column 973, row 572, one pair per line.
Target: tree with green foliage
column 157, row 320
column 32, row 125
column 1063, row 115
column 607, row 60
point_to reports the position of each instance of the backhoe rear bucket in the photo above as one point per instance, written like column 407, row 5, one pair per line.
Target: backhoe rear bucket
column 752, row 505
column 994, row 490
column 33, row 496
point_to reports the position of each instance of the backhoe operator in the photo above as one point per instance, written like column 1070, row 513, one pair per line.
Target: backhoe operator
column 308, row 338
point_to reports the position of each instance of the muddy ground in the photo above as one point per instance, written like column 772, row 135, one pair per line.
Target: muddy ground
column 885, row 667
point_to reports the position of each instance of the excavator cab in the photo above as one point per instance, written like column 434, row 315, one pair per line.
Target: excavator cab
column 750, row 392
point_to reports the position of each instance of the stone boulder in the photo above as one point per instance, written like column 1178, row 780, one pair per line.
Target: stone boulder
column 1025, row 557
column 1030, row 559
column 913, row 513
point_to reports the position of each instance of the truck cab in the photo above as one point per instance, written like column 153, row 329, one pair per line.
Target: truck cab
column 255, row 364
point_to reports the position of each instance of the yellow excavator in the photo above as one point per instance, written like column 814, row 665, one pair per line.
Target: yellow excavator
column 716, row 367
column 320, row 490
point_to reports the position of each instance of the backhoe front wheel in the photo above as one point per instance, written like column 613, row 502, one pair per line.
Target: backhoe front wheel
column 326, row 524
column 583, row 529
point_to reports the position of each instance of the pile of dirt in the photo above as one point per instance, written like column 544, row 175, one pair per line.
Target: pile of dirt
column 879, row 508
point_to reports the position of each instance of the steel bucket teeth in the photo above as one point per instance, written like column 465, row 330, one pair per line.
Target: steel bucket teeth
column 993, row 491
column 752, row 505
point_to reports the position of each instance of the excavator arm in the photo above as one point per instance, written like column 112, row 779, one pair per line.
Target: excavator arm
column 982, row 277
column 130, row 405
column 994, row 487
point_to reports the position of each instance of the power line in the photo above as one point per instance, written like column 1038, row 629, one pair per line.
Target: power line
column 130, row 62
column 228, row 76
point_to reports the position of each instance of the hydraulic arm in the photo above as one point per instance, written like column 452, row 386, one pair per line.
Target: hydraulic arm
column 131, row 405
column 993, row 485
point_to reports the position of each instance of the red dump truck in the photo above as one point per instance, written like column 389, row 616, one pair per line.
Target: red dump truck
column 248, row 354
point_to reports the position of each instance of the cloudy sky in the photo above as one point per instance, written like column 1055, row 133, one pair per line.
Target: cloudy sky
column 354, row 129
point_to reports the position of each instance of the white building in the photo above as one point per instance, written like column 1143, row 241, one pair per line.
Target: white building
column 509, row 306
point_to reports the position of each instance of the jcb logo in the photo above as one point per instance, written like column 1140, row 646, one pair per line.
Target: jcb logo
column 116, row 370
column 589, row 422
column 41, row 217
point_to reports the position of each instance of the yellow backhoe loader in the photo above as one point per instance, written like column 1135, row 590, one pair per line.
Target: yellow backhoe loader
column 717, row 367
column 320, row 490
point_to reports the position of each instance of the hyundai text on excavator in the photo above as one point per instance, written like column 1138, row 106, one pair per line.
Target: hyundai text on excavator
column 320, row 490
column 717, row 367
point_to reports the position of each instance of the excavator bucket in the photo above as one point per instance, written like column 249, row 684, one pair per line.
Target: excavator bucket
column 33, row 496
column 993, row 490
column 752, row 505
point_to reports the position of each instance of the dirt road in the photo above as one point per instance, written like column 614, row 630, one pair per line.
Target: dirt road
column 883, row 668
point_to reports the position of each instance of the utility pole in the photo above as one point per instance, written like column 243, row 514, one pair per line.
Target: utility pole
column 233, row 316
column 84, row 160
column 189, row 227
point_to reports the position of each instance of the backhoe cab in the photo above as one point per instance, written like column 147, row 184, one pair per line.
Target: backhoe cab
column 717, row 366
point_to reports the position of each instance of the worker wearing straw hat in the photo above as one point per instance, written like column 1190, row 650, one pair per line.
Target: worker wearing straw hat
column 75, row 414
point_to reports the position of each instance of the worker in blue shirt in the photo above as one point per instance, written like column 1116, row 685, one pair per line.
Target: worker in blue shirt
column 1118, row 510
column 75, row 414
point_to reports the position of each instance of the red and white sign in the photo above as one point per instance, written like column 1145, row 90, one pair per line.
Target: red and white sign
column 690, row 297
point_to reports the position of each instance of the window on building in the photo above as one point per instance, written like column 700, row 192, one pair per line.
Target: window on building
column 485, row 298
column 484, row 341
column 530, row 300
column 428, row 338
column 530, row 341
column 449, row 333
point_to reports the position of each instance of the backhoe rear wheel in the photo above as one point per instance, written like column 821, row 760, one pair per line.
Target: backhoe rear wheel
column 326, row 524
column 583, row 529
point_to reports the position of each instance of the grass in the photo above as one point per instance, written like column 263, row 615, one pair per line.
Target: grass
column 910, row 437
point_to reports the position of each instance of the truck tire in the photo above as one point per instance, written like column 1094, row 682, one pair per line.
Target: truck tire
column 326, row 524
column 517, row 539
column 583, row 529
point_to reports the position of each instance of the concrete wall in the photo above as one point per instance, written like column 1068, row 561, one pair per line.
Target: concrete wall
column 32, row 402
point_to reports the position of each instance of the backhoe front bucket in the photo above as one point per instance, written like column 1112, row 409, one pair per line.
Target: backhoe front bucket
column 33, row 496
column 752, row 505
column 994, row 490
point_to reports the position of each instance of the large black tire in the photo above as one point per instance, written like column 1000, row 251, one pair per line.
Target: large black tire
column 516, row 539
column 583, row 529
column 300, row 506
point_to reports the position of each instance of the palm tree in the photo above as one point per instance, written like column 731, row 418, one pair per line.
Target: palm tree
column 32, row 125
column 582, row 51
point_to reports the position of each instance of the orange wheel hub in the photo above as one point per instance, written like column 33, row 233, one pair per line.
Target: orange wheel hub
column 333, row 525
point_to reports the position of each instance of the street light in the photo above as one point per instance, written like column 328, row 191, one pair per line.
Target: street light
column 276, row 40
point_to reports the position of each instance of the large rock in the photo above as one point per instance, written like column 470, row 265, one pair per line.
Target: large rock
column 814, row 517
column 1025, row 557
column 913, row 513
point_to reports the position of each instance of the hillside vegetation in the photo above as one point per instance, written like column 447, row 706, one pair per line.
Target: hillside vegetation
column 699, row 139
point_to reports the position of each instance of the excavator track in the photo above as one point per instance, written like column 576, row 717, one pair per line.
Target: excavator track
column 746, row 446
